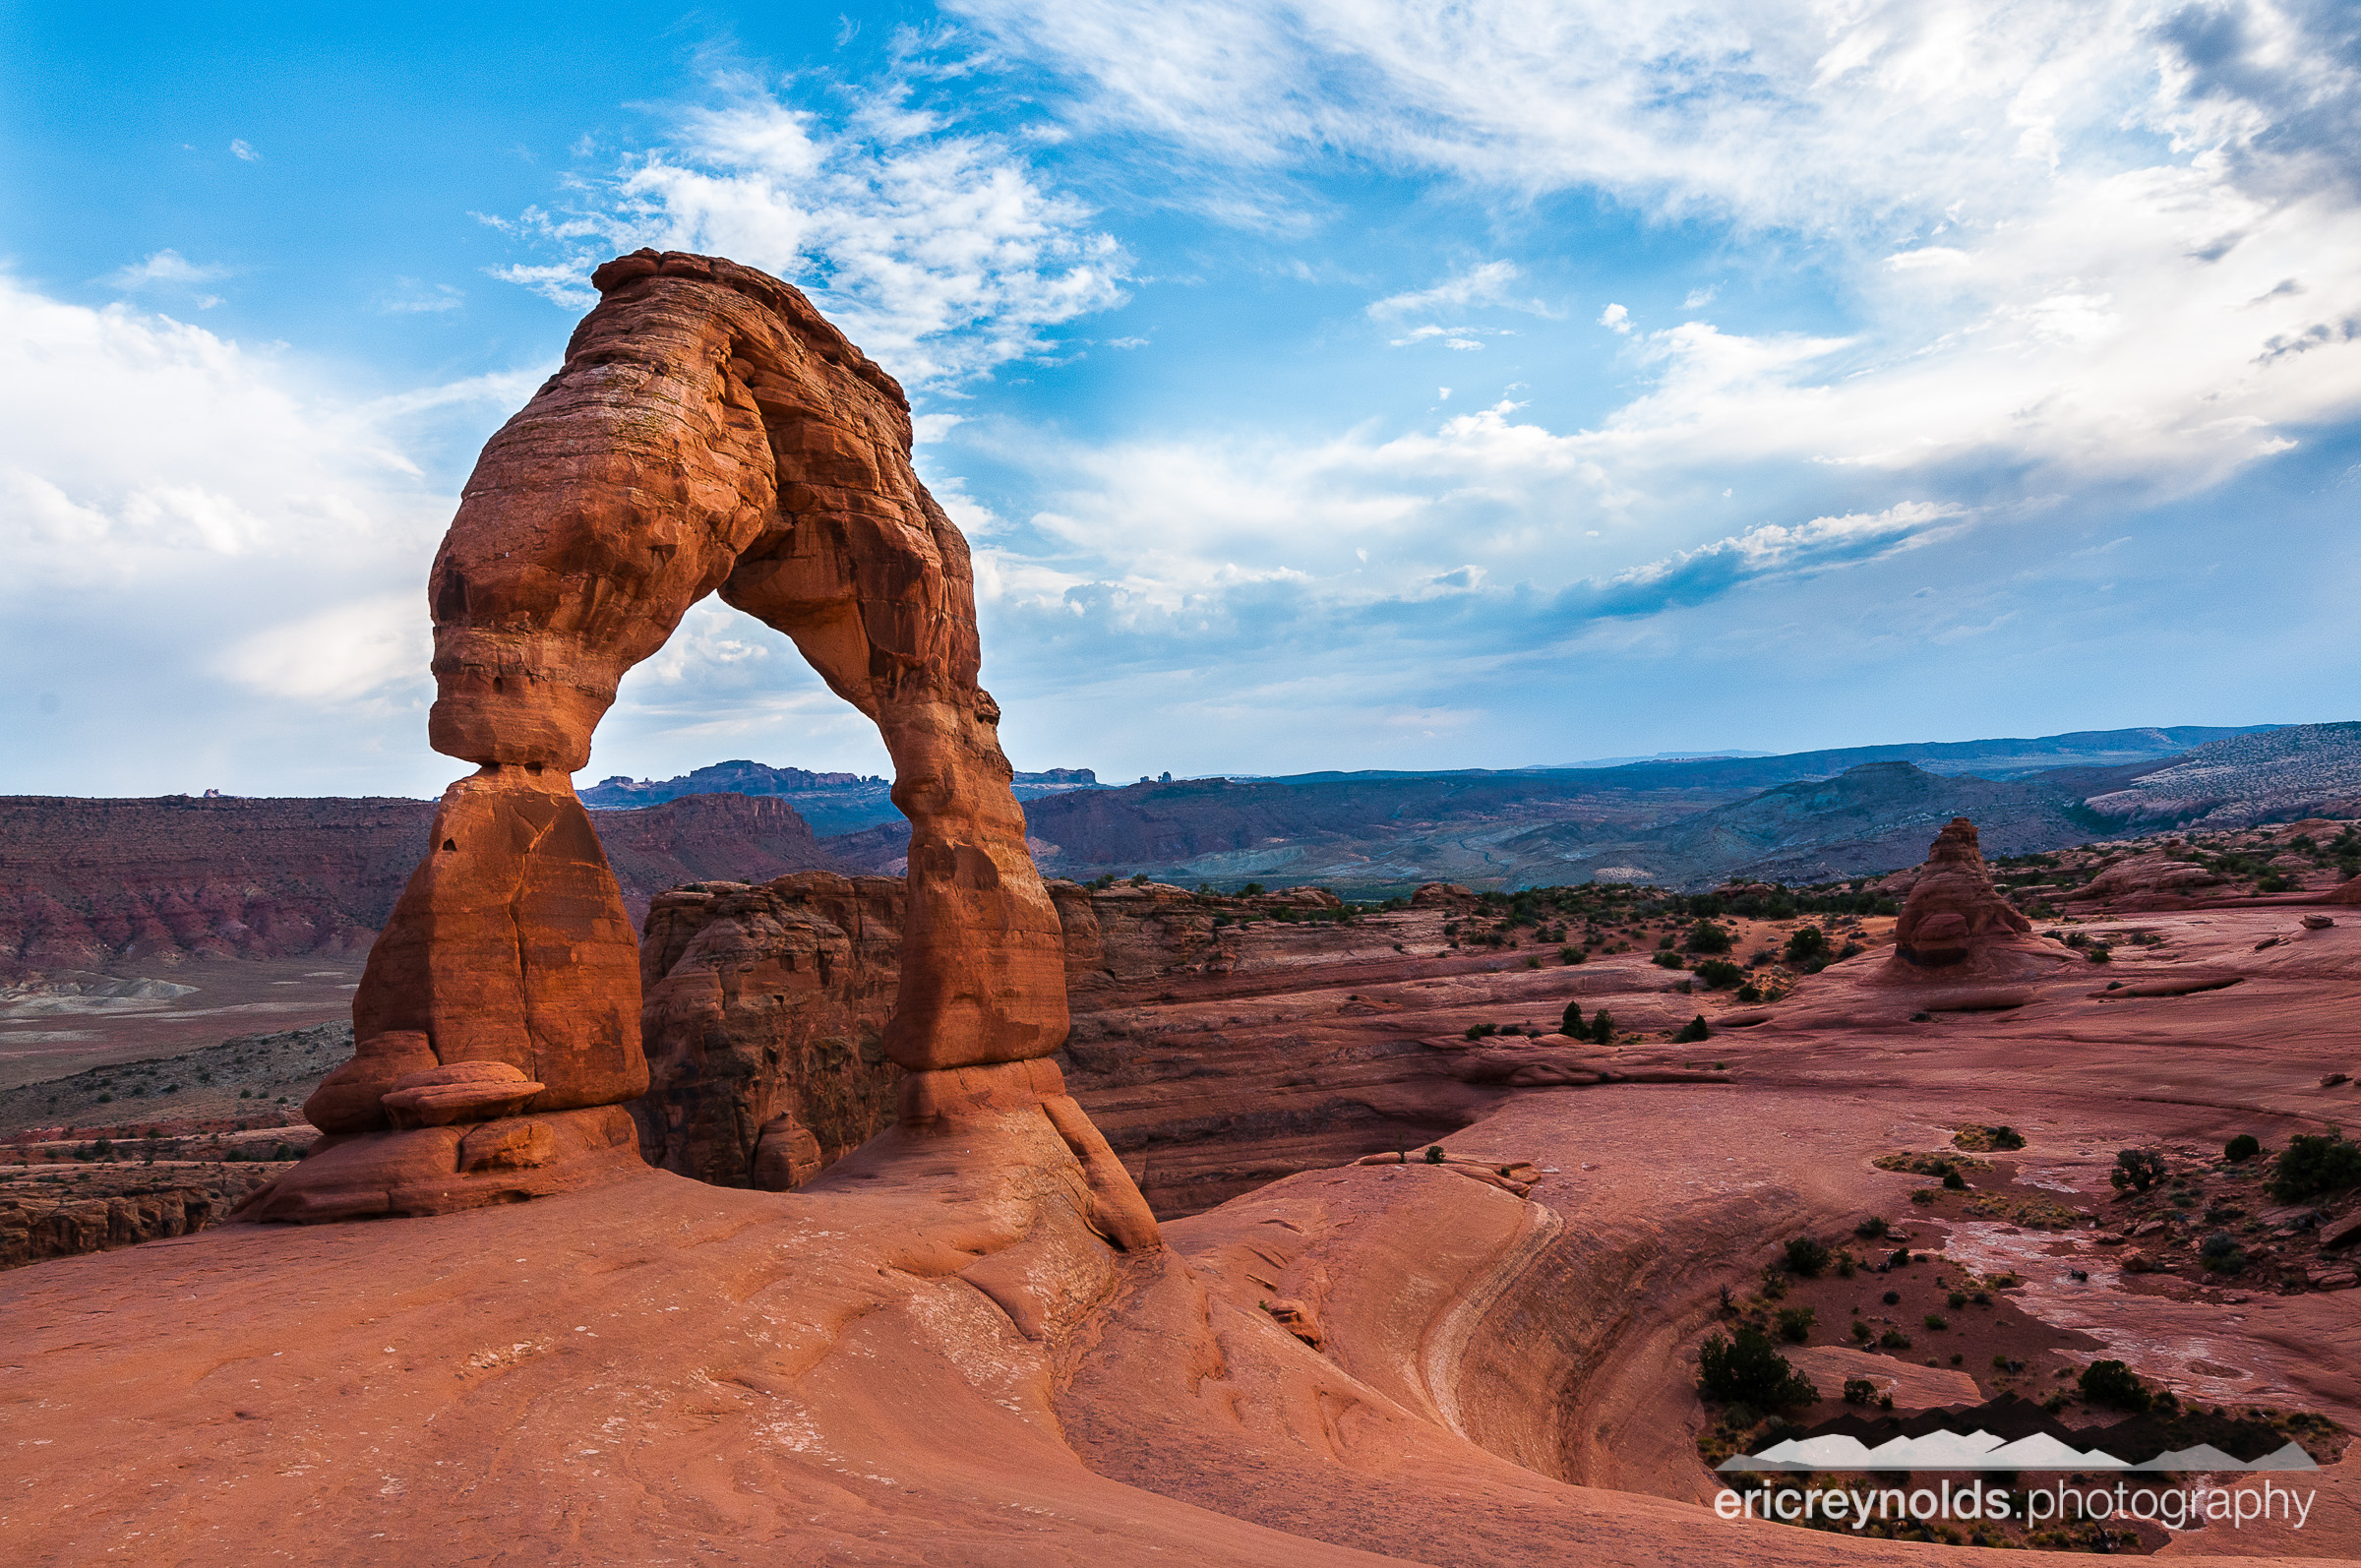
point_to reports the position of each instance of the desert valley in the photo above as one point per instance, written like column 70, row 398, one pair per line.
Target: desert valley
column 1566, row 1165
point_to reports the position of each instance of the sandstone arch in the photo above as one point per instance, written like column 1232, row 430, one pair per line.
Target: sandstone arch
column 710, row 433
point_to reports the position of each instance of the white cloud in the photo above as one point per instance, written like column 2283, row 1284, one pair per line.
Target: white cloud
column 410, row 297
column 204, row 542
column 166, row 267
column 2102, row 240
column 1615, row 318
column 940, row 252
column 341, row 654
column 245, row 152
column 1483, row 284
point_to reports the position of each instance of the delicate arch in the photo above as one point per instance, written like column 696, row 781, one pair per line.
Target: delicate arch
column 710, row 433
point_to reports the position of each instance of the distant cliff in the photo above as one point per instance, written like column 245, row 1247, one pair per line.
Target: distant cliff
column 832, row 803
column 85, row 882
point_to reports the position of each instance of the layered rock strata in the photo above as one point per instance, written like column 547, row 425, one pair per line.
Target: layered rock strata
column 710, row 433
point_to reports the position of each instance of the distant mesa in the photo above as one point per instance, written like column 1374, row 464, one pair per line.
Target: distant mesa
column 832, row 803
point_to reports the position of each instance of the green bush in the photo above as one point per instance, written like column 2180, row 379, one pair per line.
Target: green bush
column 1707, row 938
column 2222, row 1253
column 1749, row 1369
column 1860, row 1390
column 1569, row 1022
column 1602, row 1028
column 1893, row 1338
column 2136, row 1169
column 1668, row 958
column 2115, row 1385
column 2245, row 1146
column 1808, row 946
column 1434, row 1154
column 1863, row 1332
column 1720, row 974
column 1953, row 1180
column 1937, row 1321
column 1692, row 1032
column 2315, row 1161
column 1807, row 1257
column 1871, row 1229
column 1796, row 1323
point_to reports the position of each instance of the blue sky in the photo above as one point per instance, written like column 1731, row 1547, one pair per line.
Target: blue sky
column 1324, row 383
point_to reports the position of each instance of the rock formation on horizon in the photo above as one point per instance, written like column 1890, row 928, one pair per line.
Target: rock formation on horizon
column 709, row 432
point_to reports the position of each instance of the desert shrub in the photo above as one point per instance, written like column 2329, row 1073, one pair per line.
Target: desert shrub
column 1569, row 1022
column 1900, row 1258
column 1863, row 1332
column 1891, row 1298
column 2245, row 1146
column 1937, row 1321
column 2136, row 1169
column 2222, row 1253
column 1720, row 974
column 1806, row 1256
column 1749, row 1369
column 2114, row 1385
column 1668, row 958
column 1434, row 1154
column 1707, row 938
column 1860, row 1390
column 1808, row 947
column 1955, row 1181
column 1871, row 1229
column 1602, row 1028
column 1924, row 1196
column 1251, row 890
column 2315, row 1161
column 1750, row 993
column 2099, row 953
column 1796, row 1323
column 1893, row 1338
column 1692, row 1032
column 1958, row 1299
column 1571, row 955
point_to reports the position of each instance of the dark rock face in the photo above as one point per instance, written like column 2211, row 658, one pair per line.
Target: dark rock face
column 764, row 1024
column 35, row 1227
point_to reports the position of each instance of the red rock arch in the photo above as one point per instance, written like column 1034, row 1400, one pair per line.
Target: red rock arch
column 710, row 433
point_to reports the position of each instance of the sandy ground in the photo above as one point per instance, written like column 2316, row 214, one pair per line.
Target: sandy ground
column 654, row 1370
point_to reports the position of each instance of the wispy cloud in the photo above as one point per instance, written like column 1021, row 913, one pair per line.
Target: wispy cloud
column 169, row 272
column 942, row 251
column 1487, row 284
column 244, row 152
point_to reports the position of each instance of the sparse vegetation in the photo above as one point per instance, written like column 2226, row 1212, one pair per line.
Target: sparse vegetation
column 2114, row 1385
column 2136, row 1169
column 2314, row 1163
column 1747, row 1368
column 1806, row 1256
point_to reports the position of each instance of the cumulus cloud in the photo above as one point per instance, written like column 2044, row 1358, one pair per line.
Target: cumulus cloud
column 206, row 542
column 942, row 253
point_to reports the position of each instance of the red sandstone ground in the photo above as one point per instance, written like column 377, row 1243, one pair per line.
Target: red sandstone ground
column 654, row 1369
